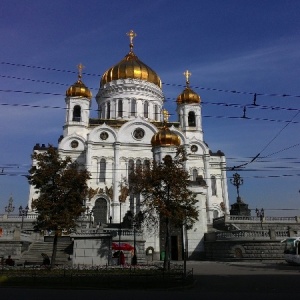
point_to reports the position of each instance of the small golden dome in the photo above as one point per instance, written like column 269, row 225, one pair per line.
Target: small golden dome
column 165, row 137
column 130, row 67
column 79, row 89
column 188, row 96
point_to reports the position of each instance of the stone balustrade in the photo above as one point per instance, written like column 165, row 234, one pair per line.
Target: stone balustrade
column 255, row 219
column 248, row 235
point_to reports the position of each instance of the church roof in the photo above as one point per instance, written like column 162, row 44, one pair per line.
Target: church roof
column 165, row 137
column 188, row 96
column 79, row 89
column 130, row 67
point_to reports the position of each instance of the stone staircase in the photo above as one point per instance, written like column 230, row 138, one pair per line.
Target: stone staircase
column 34, row 254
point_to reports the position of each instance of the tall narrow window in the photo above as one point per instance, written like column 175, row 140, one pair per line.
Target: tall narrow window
column 146, row 110
column 146, row 164
column 102, row 170
column 100, row 112
column 195, row 174
column 138, row 203
column 103, row 112
column 138, row 164
column 130, row 169
column 77, row 113
column 120, row 108
column 192, row 119
column 133, row 108
column 108, row 110
column 213, row 186
column 156, row 114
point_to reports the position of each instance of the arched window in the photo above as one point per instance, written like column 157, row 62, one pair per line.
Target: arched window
column 108, row 110
column 192, row 119
column 215, row 214
column 133, row 108
column 77, row 113
column 195, row 174
column 213, row 186
column 120, row 108
column 146, row 110
column 156, row 114
column 146, row 164
column 102, row 170
column 138, row 164
column 167, row 159
column 100, row 211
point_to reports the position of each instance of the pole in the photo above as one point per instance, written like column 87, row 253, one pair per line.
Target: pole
column 120, row 231
column 23, row 213
column 134, row 258
column 22, row 221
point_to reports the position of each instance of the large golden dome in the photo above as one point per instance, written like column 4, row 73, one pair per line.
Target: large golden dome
column 79, row 89
column 165, row 137
column 130, row 67
column 188, row 96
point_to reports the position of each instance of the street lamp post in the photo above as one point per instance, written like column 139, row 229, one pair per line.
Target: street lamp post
column 134, row 258
column 237, row 181
column 260, row 214
column 89, row 213
column 10, row 208
column 23, row 213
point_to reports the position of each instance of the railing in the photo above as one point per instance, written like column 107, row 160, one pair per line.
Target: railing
column 254, row 219
column 124, row 232
column 17, row 218
column 250, row 234
column 7, row 234
column 111, row 231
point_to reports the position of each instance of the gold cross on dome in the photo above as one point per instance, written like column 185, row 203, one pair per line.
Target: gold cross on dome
column 165, row 115
column 131, row 35
column 187, row 75
column 80, row 67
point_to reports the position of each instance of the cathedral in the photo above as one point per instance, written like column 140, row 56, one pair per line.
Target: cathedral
column 131, row 129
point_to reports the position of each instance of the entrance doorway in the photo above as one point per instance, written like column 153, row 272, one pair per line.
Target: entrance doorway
column 174, row 247
column 100, row 211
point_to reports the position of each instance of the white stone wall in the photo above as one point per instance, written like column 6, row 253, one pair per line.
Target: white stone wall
column 93, row 252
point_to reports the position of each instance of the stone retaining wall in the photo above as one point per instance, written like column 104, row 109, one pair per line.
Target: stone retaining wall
column 244, row 250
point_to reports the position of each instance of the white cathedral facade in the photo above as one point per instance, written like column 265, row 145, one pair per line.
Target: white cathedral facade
column 130, row 113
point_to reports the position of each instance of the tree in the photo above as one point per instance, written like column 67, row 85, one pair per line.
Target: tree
column 166, row 197
column 61, row 187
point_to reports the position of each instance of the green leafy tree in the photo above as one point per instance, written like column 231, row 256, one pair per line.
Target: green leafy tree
column 61, row 187
column 166, row 197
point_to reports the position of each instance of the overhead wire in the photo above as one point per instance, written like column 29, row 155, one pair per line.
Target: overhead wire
column 254, row 105
column 255, row 94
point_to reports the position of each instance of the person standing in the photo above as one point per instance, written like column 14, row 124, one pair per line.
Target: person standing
column 9, row 261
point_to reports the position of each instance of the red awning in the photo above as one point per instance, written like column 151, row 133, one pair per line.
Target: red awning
column 122, row 246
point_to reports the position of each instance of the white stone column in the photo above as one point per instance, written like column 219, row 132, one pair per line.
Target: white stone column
column 224, row 184
column 207, row 178
column 116, row 171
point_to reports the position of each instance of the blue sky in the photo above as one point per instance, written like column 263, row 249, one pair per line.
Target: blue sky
column 243, row 46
